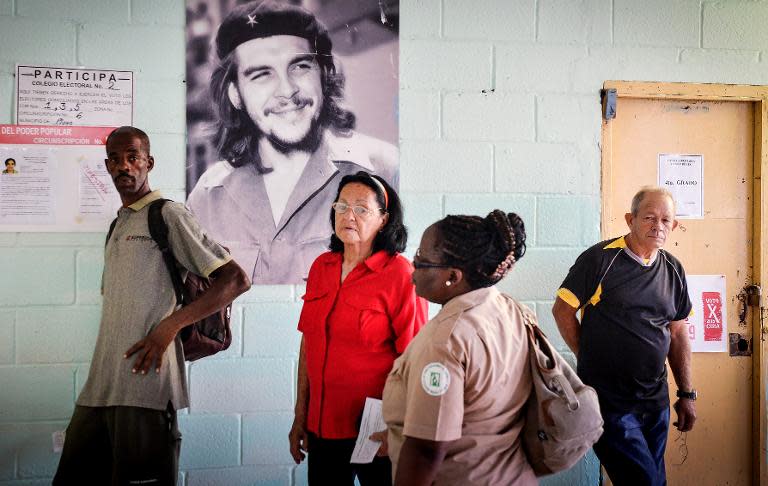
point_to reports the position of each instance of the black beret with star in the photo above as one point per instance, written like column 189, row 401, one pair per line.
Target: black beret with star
column 255, row 20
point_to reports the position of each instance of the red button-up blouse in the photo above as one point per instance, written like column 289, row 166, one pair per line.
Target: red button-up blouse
column 353, row 331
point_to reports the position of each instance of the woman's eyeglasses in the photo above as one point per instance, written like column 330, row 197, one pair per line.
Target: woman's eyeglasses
column 342, row 208
column 418, row 264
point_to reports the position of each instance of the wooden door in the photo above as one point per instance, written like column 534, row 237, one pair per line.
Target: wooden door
column 653, row 119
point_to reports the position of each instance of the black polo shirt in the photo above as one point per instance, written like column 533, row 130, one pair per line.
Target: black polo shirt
column 626, row 310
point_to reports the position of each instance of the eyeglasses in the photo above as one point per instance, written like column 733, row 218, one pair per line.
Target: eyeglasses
column 342, row 208
column 417, row 264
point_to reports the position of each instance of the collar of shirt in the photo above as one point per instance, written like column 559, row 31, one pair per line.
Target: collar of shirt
column 642, row 261
column 334, row 148
column 144, row 201
column 374, row 263
column 462, row 302
column 622, row 243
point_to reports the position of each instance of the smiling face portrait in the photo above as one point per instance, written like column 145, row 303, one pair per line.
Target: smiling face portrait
column 273, row 126
column 278, row 84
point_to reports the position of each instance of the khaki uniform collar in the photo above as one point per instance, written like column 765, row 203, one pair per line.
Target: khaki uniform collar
column 148, row 198
column 462, row 302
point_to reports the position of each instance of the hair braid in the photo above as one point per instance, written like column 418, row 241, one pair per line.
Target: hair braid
column 485, row 249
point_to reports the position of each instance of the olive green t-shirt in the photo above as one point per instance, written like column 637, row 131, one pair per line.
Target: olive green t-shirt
column 137, row 294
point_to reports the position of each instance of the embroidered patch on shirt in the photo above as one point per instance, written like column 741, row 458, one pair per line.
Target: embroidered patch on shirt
column 435, row 379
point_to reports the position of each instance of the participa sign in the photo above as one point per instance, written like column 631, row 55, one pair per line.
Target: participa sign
column 73, row 96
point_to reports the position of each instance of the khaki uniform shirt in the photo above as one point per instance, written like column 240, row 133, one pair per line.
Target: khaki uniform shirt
column 233, row 206
column 137, row 294
column 465, row 378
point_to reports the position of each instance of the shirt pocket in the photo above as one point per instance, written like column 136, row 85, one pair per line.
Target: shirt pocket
column 314, row 311
column 246, row 255
column 310, row 249
column 373, row 323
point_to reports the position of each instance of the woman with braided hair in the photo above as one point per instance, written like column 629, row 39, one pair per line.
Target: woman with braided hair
column 454, row 401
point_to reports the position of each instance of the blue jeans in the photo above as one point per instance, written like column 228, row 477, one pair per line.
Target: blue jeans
column 632, row 446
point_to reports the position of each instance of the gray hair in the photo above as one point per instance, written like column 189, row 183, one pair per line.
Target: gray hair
column 644, row 191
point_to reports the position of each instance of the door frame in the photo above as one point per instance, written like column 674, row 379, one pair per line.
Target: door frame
column 718, row 92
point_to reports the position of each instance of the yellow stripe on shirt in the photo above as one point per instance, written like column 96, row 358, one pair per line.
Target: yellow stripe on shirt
column 568, row 297
column 617, row 243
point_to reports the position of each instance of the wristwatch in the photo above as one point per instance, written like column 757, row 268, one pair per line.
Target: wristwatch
column 690, row 395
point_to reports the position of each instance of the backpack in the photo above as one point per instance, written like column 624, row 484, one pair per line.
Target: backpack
column 563, row 418
column 209, row 335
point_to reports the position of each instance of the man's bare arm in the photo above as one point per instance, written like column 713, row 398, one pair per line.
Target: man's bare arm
column 567, row 324
column 679, row 357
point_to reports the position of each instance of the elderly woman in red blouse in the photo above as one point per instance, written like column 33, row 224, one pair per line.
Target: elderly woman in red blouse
column 360, row 312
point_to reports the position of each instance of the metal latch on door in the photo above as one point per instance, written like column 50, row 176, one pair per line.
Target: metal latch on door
column 741, row 344
column 749, row 297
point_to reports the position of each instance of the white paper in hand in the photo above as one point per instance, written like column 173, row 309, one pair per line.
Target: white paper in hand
column 365, row 448
column 58, row 441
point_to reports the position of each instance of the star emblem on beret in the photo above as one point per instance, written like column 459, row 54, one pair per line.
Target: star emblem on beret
column 251, row 20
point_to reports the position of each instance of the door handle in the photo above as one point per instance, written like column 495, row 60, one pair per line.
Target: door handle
column 750, row 296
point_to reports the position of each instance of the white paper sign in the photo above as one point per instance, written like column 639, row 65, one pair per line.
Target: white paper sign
column 365, row 449
column 98, row 198
column 26, row 193
column 708, row 325
column 54, row 179
column 73, row 96
column 683, row 176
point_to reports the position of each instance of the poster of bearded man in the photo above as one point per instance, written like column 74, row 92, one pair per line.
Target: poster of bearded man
column 283, row 100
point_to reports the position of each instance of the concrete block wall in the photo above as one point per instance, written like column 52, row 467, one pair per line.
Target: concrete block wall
column 499, row 107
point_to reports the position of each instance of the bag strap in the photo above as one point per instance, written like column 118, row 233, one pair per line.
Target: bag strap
column 539, row 346
column 109, row 233
column 158, row 229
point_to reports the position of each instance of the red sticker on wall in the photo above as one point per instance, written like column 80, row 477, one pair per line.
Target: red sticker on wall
column 713, row 316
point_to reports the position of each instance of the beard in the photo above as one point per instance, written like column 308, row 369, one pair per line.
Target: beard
column 308, row 143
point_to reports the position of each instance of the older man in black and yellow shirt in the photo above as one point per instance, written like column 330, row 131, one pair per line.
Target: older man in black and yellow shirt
column 634, row 300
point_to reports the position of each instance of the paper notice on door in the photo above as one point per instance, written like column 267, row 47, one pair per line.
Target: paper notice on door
column 365, row 448
column 683, row 176
column 708, row 323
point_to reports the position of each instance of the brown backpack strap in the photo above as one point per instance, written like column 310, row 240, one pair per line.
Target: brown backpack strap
column 158, row 229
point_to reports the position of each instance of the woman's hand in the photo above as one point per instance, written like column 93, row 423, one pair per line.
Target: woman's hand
column 381, row 437
column 297, row 437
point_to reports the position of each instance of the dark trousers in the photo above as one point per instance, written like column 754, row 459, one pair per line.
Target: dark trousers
column 632, row 446
column 328, row 464
column 120, row 446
